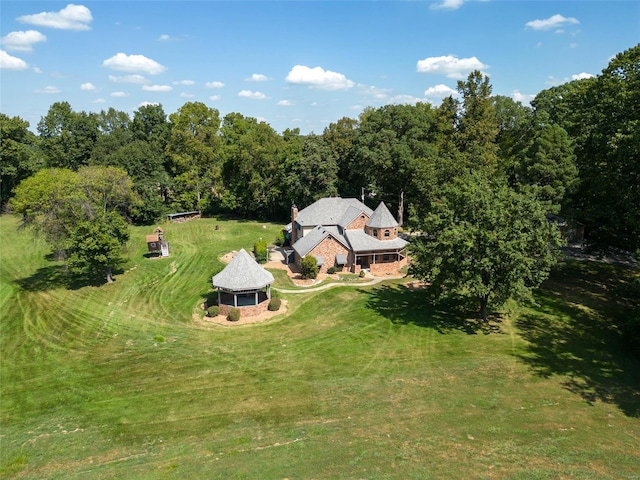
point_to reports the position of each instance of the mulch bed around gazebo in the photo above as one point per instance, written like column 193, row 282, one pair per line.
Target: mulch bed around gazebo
column 222, row 319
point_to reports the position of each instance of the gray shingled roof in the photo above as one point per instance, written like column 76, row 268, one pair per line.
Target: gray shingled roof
column 242, row 273
column 331, row 211
column 361, row 242
column 315, row 236
column 382, row 218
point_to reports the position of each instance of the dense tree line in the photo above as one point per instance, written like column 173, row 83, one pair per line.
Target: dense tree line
column 574, row 153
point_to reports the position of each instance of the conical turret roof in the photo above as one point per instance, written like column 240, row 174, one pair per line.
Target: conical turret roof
column 382, row 218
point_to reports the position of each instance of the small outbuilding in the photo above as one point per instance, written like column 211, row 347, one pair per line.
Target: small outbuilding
column 157, row 244
column 243, row 284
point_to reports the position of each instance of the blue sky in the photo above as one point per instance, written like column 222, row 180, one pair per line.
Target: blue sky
column 294, row 64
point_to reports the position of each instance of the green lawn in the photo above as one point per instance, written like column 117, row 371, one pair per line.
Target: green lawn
column 122, row 381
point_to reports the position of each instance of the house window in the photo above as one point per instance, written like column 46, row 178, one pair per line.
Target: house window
column 375, row 233
column 385, row 257
column 386, row 233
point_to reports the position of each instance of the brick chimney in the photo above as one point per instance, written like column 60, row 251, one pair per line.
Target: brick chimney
column 294, row 215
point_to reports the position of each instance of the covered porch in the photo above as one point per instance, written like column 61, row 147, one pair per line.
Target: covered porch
column 243, row 298
column 366, row 259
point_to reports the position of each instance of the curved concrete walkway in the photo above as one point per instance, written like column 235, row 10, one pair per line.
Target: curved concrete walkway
column 339, row 284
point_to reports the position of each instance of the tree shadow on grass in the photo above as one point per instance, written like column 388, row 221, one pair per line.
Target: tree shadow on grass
column 406, row 306
column 57, row 276
column 574, row 332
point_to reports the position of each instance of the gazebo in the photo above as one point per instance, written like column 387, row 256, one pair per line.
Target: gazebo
column 243, row 284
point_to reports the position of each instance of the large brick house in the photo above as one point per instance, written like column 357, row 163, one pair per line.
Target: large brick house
column 346, row 234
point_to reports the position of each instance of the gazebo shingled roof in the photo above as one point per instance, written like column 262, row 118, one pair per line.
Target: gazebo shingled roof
column 241, row 274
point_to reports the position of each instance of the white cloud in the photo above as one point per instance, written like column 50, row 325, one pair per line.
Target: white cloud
column 119, row 94
column 406, row 99
column 252, row 95
column 551, row 80
column 449, row 65
column 87, row 86
column 48, row 90
column 71, row 17
column 187, row 95
column 184, row 82
column 581, row 76
column 99, row 100
column 157, row 88
column 440, row 91
column 257, row 77
column 215, row 98
column 285, row 103
column 554, row 21
column 36, row 70
column 522, row 98
column 11, row 63
column 375, row 92
column 448, row 4
column 164, row 38
column 138, row 79
column 319, row 78
column 133, row 63
column 214, row 84
column 22, row 41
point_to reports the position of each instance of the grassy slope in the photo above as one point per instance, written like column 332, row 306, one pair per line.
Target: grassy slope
column 353, row 383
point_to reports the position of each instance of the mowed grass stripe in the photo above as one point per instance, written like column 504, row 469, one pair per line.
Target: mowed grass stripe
column 365, row 382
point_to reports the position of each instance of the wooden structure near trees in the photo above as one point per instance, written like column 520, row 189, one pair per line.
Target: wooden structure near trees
column 157, row 244
column 183, row 216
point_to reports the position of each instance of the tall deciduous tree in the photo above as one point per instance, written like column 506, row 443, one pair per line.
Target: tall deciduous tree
column 67, row 137
column 251, row 152
column 107, row 189
column 546, row 165
column 514, row 131
column 19, row 158
column 95, row 245
column 145, row 167
column 115, row 133
column 486, row 242
column 78, row 214
column 315, row 174
column 193, row 147
column 341, row 137
column 51, row 202
column 478, row 123
column 392, row 141
column 601, row 116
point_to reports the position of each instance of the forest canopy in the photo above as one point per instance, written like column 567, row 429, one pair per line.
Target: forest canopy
column 576, row 150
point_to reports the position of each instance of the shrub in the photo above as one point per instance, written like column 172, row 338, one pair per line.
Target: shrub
column 332, row 270
column 260, row 251
column 280, row 238
column 362, row 274
column 274, row 304
column 213, row 311
column 233, row 315
column 309, row 267
column 159, row 338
